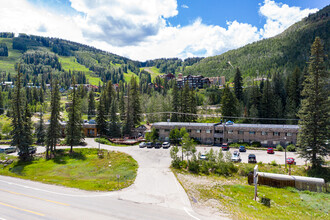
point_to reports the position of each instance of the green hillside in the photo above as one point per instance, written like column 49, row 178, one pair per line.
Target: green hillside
column 280, row 53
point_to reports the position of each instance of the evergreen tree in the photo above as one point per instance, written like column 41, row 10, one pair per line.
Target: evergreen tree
column 121, row 105
column 41, row 130
column 2, row 110
column 192, row 103
column 114, row 128
column 229, row 103
column 73, row 133
column 314, row 112
column 238, row 85
column 267, row 102
column 91, row 105
column 135, row 102
column 18, row 116
column 54, row 130
column 175, row 103
column 101, row 119
column 293, row 92
column 110, row 95
column 28, row 128
column 185, row 96
column 129, row 120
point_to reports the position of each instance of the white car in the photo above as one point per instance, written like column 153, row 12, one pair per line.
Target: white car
column 236, row 157
column 203, row 157
column 142, row 145
column 166, row 145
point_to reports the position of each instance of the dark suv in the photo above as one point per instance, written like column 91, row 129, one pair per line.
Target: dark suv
column 150, row 145
column 252, row 158
column 158, row 145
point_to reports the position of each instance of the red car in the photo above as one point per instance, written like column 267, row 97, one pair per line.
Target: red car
column 270, row 150
column 290, row 161
column 225, row 146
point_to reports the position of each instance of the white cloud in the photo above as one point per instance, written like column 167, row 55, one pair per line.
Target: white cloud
column 139, row 29
column 280, row 16
column 21, row 17
column 126, row 22
column 184, row 6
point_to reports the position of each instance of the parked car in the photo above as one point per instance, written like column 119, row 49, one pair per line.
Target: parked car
column 203, row 157
column 290, row 161
column 270, row 150
column 242, row 149
column 31, row 150
column 252, row 158
column 225, row 146
column 236, row 157
column 166, row 145
column 2, row 150
column 229, row 123
column 9, row 150
column 142, row 144
column 158, row 145
column 150, row 145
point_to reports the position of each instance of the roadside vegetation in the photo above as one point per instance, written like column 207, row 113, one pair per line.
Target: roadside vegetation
column 83, row 169
column 108, row 142
column 234, row 196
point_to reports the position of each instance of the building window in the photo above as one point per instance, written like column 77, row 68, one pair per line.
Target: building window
column 289, row 134
column 252, row 132
column 276, row 142
column 189, row 130
column 167, row 130
column 218, row 131
column 208, row 131
column 240, row 132
column 276, row 133
column 230, row 140
column 198, row 131
column 230, row 131
column 264, row 133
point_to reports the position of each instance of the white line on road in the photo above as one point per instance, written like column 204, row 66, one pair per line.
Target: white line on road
column 62, row 194
column 186, row 210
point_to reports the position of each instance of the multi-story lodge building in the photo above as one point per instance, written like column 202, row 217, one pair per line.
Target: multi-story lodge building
column 193, row 81
column 217, row 133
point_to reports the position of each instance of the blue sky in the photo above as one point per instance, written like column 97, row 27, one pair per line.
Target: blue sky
column 148, row 29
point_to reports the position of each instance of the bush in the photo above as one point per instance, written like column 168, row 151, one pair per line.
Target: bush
column 205, row 168
column 273, row 163
column 244, row 170
column 291, row 148
column 176, row 163
column 193, row 166
column 226, row 169
column 279, row 147
column 255, row 144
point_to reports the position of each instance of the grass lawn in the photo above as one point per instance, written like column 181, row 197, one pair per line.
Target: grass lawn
column 154, row 71
column 83, row 170
column 8, row 63
column 70, row 63
column 233, row 195
column 128, row 76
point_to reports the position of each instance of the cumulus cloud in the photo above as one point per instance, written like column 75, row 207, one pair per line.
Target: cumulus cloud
column 19, row 16
column 280, row 16
column 184, row 6
column 139, row 29
column 122, row 23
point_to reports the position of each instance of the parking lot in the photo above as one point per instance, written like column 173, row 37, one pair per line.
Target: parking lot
column 261, row 155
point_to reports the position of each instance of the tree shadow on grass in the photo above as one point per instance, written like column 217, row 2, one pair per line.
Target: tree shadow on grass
column 18, row 168
column 62, row 156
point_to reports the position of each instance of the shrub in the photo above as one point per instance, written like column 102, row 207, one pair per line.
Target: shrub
column 279, row 147
column 176, row 163
column 245, row 170
column 205, row 168
column 273, row 163
column 193, row 166
column 183, row 164
column 255, row 144
column 291, row 148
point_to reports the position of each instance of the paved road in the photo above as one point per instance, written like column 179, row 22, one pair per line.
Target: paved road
column 156, row 194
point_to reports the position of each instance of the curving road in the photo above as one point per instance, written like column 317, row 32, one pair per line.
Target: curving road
column 156, row 194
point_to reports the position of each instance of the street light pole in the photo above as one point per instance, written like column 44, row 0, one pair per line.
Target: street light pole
column 285, row 152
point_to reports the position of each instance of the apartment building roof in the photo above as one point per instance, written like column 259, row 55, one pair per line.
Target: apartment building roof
column 262, row 126
column 182, row 124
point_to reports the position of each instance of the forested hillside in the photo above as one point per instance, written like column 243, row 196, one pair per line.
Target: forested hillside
column 281, row 53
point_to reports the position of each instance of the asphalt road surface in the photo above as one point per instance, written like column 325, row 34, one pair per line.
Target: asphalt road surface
column 155, row 194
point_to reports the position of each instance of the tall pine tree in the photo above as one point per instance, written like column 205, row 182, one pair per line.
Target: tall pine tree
column 91, row 105
column 54, row 130
column 114, row 128
column 229, row 103
column 101, row 118
column 175, row 103
column 238, row 85
column 315, row 107
column 73, row 133
column 40, row 132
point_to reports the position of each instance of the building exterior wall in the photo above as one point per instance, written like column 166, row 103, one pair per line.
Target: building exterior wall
column 207, row 133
